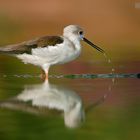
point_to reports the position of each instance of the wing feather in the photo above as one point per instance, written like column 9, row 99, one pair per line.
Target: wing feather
column 27, row 46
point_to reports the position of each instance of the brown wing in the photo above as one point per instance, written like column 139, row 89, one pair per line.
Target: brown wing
column 27, row 46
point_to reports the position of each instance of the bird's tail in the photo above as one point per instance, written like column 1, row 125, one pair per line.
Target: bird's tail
column 15, row 49
column 4, row 50
column 7, row 49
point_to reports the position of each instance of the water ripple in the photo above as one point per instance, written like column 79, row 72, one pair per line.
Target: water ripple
column 110, row 75
column 76, row 76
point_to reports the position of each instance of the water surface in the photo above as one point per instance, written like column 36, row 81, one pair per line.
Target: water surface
column 71, row 106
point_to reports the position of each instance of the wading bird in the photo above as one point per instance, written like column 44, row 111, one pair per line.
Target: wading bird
column 50, row 50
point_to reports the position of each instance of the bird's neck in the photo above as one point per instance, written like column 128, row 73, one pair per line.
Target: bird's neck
column 76, row 42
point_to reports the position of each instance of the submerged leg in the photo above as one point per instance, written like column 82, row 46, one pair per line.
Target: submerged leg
column 44, row 74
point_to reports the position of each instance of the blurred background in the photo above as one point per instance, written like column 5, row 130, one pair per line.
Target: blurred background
column 114, row 25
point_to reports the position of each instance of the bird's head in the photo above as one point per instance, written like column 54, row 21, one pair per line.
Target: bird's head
column 75, row 32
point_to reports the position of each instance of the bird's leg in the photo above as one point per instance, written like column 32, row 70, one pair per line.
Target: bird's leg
column 44, row 75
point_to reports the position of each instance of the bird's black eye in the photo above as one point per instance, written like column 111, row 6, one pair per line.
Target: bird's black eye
column 81, row 32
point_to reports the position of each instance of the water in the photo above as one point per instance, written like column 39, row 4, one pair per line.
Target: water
column 74, row 106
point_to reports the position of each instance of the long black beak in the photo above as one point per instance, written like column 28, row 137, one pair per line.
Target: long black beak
column 94, row 46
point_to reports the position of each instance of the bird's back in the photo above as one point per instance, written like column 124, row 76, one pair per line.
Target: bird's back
column 27, row 46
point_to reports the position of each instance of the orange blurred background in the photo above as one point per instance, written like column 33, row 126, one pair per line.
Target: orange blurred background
column 114, row 25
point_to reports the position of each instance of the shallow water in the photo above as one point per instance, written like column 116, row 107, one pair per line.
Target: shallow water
column 70, row 106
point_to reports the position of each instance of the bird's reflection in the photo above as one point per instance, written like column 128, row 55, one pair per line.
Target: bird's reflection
column 56, row 97
column 52, row 97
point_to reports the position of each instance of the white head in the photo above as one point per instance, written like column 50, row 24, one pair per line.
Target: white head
column 76, row 33
column 73, row 32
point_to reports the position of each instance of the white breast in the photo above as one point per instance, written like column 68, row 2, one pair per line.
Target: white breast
column 51, row 55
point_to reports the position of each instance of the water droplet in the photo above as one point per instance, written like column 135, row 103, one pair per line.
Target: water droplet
column 113, row 80
column 109, row 61
column 105, row 55
column 4, row 75
column 112, row 69
column 109, row 88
